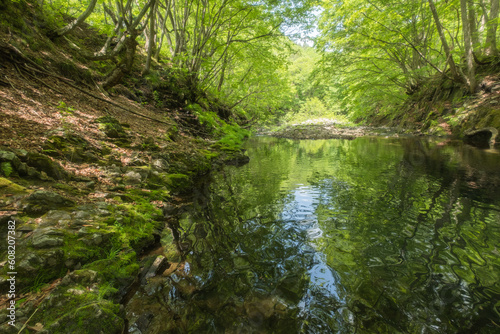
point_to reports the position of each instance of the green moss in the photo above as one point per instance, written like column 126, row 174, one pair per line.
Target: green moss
column 112, row 128
column 117, row 269
column 8, row 187
column 84, row 311
column 210, row 155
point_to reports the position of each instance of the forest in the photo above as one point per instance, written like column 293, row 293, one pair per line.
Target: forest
column 275, row 61
column 249, row 166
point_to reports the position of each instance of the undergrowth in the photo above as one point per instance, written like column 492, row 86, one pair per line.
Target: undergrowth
column 230, row 135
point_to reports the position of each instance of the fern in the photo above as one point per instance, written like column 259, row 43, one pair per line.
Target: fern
column 6, row 168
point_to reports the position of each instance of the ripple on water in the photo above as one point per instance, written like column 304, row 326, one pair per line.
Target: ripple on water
column 325, row 236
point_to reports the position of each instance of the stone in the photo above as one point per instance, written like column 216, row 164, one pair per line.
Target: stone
column 160, row 164
column 158, row 266
column 97, row 238
column 11, row 159
column 7, row 156
column 83, row 277
column 31, row 263
column 481, row 138
column 22, row 170
column 132, row 178
column 46, row 241
column 47, row 237
column 43, row 163
column 41, row 202
column 54, row 258
column 111, row 127
column 143, row 322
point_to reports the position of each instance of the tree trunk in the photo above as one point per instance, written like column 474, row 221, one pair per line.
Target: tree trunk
column 124, row 67
column 473, row 27
column 451, row 62
column 76, row 22
column 491, row 35
column 151, row 37
column 469, row 57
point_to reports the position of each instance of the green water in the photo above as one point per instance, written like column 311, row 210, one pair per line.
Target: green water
column 371, row 235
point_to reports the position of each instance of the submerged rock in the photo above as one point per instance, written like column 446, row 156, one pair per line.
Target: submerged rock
column 158, row 266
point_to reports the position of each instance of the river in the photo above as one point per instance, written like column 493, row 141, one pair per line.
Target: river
column 372, row 235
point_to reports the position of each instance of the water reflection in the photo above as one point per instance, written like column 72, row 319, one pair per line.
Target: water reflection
column 367, row 236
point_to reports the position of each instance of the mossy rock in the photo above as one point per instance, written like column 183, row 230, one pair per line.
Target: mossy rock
column 111, row 127
column 72, row 147
column 10, row 192
column 149, row 145
column 80, row 309
column 41, row 202
column 43, row 163
column 174, row 182
column 120, row 271
column 10, row 188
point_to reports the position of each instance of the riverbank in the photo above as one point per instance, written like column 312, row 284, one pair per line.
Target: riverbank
column 330, row 129
column 88, row 182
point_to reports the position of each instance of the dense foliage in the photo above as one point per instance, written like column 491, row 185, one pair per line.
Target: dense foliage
column 263, row 61
column 382, row 51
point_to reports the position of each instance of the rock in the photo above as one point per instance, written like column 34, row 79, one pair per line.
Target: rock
column 22, row 170
column 111, row 127
column 72, row 147
column 10, row 157
column 43, row 163
column 54, row 258
column 56, row 217
column 158, row 266
column 132, row 178
column 8, row 187
column 143, row 322
column 41, row 201
column 46, row 241
column 30, row 264
column 101, row 316
column 82, row 277
column 33, row 173
column 47, row 237
column 160, row 164
column 482, row 138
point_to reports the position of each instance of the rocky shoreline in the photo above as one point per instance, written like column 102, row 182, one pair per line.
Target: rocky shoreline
column 482, row 138
column 85, row 215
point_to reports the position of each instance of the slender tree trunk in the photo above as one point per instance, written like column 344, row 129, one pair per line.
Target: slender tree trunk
column 469, row 57
column 76, row 22
column 151, row 37
column 473, row 27
column 491, row 35
column 451, row 62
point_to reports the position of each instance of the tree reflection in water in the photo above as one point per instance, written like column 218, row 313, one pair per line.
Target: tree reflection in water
column 368, row 236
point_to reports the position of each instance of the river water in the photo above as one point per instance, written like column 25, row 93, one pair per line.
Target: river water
column 372, row 235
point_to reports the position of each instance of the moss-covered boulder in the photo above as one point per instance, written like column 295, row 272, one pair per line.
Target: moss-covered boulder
column 10, row 194
column 71, row 147
column 80, row 305
column 111, row 127
column 41, row 201
column 43, row 163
